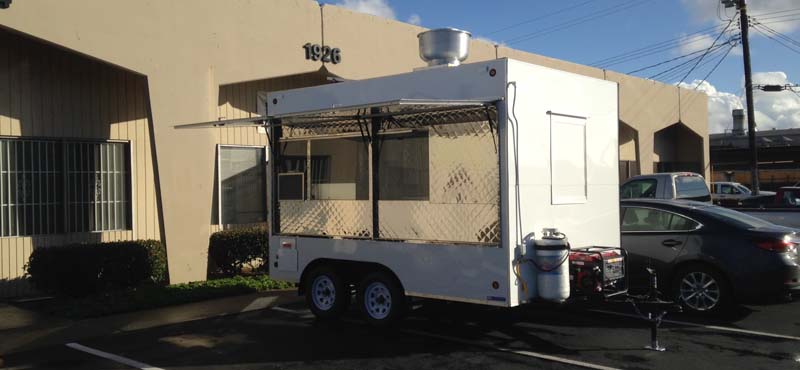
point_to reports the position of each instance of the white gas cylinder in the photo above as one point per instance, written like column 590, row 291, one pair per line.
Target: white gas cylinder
column 551, row 257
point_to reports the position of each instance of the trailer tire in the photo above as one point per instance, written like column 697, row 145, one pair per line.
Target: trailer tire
column 327, row 295
column 382, row 298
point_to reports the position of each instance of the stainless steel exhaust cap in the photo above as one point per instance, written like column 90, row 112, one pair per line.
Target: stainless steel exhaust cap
column 444, row 46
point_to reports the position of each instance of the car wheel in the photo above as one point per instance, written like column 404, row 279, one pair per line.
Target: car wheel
column 326, row 293
column 701, row 289
column 381, row 298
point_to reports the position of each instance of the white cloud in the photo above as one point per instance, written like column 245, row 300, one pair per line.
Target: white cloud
column 710, row 10
column 690, row 44
column 720, row 105
column 773, row 109
column 380, row 8
column 779, row 109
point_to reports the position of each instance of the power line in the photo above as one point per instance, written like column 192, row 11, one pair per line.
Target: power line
column 783, row 21
column 678, row 69
column 659, row 46
column 715, row 66
column 709, row 48
column 515, row 25
column 777, row 12
column 711, row 57
column 647, row 51
column 668, row 61
column 776, row 33
column 577, row 21
column 780, row 16
column 757, row 27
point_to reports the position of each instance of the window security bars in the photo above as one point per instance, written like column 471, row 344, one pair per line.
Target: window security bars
column 51, row 187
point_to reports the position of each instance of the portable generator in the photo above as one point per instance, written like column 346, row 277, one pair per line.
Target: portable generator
column 598, row 272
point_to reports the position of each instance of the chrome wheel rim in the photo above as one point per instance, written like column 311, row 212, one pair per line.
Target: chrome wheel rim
column 699, row 291
column 377, row 300
column 323, row 293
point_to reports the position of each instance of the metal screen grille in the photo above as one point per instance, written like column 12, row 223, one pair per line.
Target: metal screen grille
column 96, row 186
column 50, row 187
column 454, row 147
column 30, row 187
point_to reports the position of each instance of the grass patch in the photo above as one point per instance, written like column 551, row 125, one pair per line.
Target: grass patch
column 153, row 296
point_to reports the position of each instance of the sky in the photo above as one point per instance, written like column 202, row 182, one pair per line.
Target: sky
column 608, row 33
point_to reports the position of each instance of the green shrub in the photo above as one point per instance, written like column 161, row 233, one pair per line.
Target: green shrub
column 231, row 250
column 82, row 269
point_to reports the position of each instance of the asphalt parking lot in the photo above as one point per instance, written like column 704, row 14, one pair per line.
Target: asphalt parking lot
column 443, row 336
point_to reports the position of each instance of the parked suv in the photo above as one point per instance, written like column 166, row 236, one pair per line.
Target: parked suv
column 671, row 185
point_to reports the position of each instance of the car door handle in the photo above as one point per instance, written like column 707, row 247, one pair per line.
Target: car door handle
column 671, row 242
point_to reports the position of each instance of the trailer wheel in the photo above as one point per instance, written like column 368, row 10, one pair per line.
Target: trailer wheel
column 381, row 298
column 326, row 293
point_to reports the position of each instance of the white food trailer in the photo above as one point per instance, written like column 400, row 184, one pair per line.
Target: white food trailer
column 424, row 184
column 430, row 183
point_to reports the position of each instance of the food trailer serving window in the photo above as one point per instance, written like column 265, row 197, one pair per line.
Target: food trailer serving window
column 405, row 172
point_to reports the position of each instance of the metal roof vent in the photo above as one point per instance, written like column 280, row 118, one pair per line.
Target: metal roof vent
column 738, row 122
column 444, row 46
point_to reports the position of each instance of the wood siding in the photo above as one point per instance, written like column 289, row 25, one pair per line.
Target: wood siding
column 50, row 93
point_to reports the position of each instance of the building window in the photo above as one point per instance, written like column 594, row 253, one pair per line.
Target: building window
column 404, row 166
column 50, row 187
column 243, row 185
column 292, row 170
column 339, row 169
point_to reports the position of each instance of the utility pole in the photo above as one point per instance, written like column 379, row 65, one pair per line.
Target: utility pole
column 741, row 6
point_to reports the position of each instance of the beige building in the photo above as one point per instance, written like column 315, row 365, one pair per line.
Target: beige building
column 91, row 92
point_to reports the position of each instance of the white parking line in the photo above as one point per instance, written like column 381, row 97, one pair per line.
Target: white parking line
column 112, row 357
column 712, row 327
column 541, row 356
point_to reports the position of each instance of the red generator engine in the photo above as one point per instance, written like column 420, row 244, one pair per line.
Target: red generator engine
column 597, row 272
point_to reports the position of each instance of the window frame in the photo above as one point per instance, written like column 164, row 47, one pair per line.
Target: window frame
column 219, row 179
column 626, row 207
column 63, row 206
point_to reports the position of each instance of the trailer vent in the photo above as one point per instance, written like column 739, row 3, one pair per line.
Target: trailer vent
column 444, row 46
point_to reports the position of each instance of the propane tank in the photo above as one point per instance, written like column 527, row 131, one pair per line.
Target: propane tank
column 552, row 277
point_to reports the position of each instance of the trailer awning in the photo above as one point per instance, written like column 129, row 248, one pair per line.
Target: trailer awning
column 400, row 113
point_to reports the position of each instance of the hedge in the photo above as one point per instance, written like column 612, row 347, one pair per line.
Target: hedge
column 231, row 250
column 81, row 269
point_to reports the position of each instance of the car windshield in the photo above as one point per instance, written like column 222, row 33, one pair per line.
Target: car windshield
column 690, row 187
column 792, row 197
column 735, row 217
column 743, row 189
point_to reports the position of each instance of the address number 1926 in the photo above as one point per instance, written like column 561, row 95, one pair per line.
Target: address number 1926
column 326, row 54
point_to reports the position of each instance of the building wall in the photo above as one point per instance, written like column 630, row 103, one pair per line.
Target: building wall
column 200, row 61
column 46, row 92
